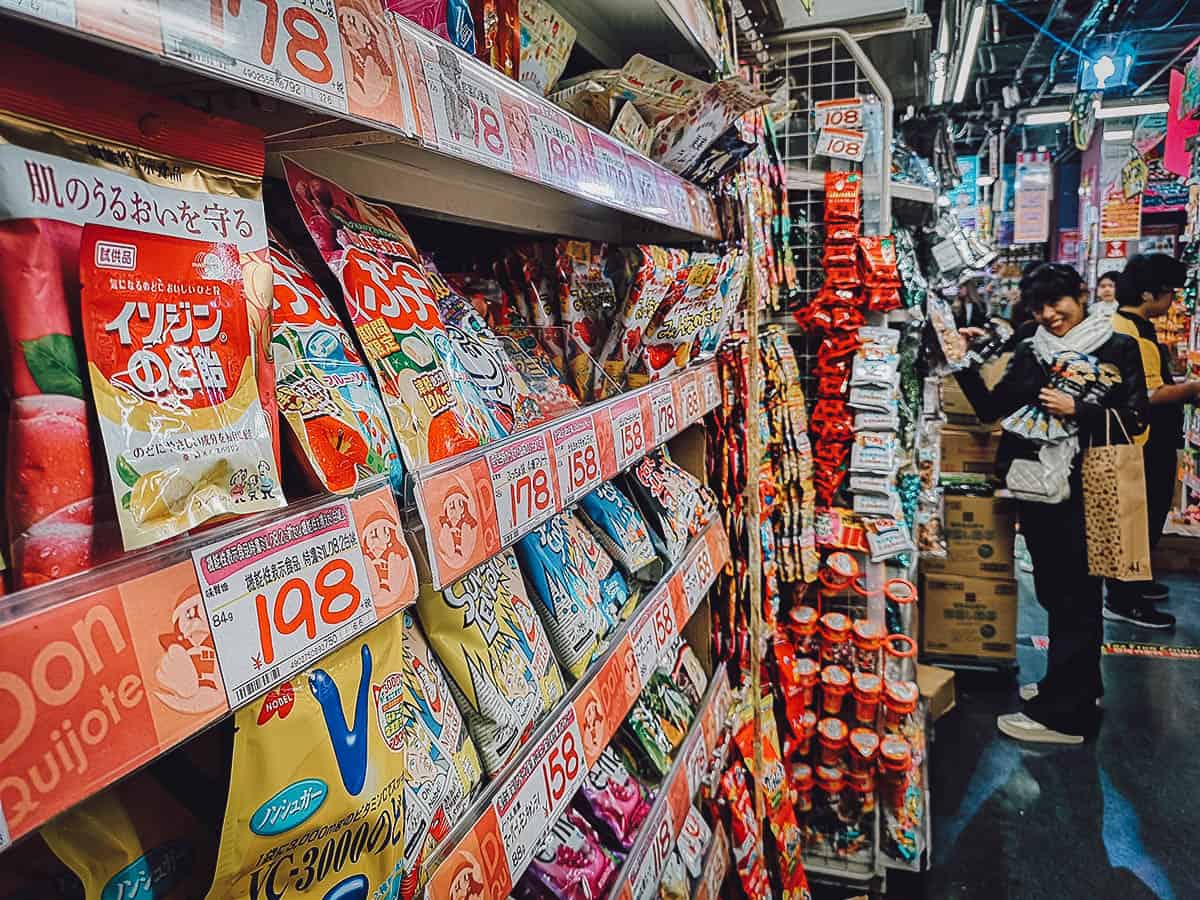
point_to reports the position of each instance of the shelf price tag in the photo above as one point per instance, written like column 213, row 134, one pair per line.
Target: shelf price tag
column 646, row 194
column 577, row 458
column 698, row 573
column 630, row 437
column 689, row 400
column 845, row 113
column 664, row 413
column 558, row 155
column 841, row 143
column 523, row 485
column 281, row 597
column 655, row 859
column 292, row 47
column 612, row 170
column 652, row 632
column 467, row 112
column 711, row 382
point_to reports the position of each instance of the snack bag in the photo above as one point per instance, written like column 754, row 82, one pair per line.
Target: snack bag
column 70, row 166
column 503, row 674
column 843, row 197
column 675, row 502
column 655, row 272
column 429, row 14
column 533, row 272
column 571, row 863
column 587, row 302
column 568, row 592
column 694, row 303
column 622, row 532
column 616, row 801
column 616, row 599
column 533, row 361
column 395, row 313
column 546, row 42
column 326, row 393
column 443, row 769
column 319, row 769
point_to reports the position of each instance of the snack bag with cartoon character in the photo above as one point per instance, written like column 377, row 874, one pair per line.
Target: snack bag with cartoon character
column 676, row 503
column 318, row 783
column 396, row 316
column 587, row 303
column 326, row 393
column 622, row 531
column 502, row 671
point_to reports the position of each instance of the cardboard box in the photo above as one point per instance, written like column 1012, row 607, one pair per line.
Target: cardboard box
column 937, row 687
column 969, row 450
column 955, row 403
column 980, row 532
column 963, row 616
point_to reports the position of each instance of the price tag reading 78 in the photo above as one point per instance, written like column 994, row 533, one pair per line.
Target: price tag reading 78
column 523, row 485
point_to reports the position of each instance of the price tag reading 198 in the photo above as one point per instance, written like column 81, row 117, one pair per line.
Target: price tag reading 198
column 523, row 484
column 629, row 430
column 577, row 458
column 662, row 406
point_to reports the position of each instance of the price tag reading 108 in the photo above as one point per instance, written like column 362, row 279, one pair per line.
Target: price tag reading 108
column 577, row 458
column 629, row 431
column 523, row 484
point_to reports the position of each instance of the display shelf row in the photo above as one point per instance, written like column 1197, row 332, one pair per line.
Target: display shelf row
column 641, row 873
column 716, row 866
column 359, row 63
column 500, row 834
column 809, row 180
column 682, row 31
column 522, row 481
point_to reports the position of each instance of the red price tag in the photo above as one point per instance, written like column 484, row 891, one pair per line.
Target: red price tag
column 698, row 574
column 523, row 485
column 630, row 439
column 288, row 46
column 712, row 387
column 275, row 611
column 577, row 458
column 665, row 415
column 613, row 174
column 689, row 399
column 697, row 766
column 652, row 632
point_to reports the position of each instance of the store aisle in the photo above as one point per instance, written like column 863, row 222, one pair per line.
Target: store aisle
column 1114, row 818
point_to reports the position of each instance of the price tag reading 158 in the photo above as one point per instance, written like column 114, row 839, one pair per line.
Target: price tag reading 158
column 629, row 431
column 282, row 596
column 652, row 632
column 523, row 484
column 577, row 458
column 698, row 574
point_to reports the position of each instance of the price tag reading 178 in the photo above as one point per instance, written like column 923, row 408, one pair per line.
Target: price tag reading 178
column 577, row 458
column 282, row 596
column 523, row 484
column 629, row 430
column 666, row 417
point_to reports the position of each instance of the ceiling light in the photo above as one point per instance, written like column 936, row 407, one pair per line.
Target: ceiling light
column 1148, row 108
column 1121, row 134
column 966, row 62
column 1046, row 117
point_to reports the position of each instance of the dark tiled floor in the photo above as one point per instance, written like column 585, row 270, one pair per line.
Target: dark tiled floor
column 1114, row 818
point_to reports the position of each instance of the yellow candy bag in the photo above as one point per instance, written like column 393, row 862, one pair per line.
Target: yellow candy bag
column 316, row 796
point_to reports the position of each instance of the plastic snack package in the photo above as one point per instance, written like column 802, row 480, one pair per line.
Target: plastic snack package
column 395, row 314
column 644, row 744
column 670, row 705
column 460, row 24
column 429, row 14
column 325, row 391
column 570, row 862
column 488, row 636
column 498, row 35
column 631, row 129
column 683, row 667
column 745, row 833
column 673, row 884
column 533, row 362
column 694, row 302
column 622, row 532
column 587, row 301
column 843, row 197
column 655, row 271
column 568, row 592
column 72, row 165
column 443, row 770
column 616, row 801
column 546, row 42
column 319, row 763
column 676, row 504
column 617, row 600
column 694, row 838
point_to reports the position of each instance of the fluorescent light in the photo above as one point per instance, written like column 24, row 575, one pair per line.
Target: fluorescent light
column 1134, row 109
column 966, row 62
column 986, row 180
column 1047, row 117
column 1121, row 134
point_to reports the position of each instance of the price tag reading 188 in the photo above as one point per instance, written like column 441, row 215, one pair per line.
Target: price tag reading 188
column 577, row 458
column 689, row 399
column 665, row 415
column 629, row 430
column 282, row 596
column 523, row 484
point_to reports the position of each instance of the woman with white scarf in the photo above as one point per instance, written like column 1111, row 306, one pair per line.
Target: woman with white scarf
column 1060, row 387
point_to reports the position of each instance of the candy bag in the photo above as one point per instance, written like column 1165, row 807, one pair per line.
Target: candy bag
column 533, row 270
column 695, row 302
column 622, row 532
column 616, row 599
column 395, row 313
column 318, row 765
column 546, row 42
column 429, row 14
column 70, row 166
column 616, row 801
column 488, row 636
column 677, row 505
column 570, row 862
column 843, row 197
column 587, row 301
column 326, row 393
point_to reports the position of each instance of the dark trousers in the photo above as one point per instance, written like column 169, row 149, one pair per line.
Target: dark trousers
column 1054, row 534
column 1160, row 465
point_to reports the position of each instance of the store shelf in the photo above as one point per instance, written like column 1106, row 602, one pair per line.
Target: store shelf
column 522, row 481
column 716, row 865
column 492, row 127
column 902, row 190
column 680, row 32
column 111, row 668
column 639, row 877
column 808, row 180
column 502, row 831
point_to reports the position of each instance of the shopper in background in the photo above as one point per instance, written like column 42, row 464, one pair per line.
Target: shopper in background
column 1147, row 289
column 1061, row 708
column 1104, row 302
column 969, row 309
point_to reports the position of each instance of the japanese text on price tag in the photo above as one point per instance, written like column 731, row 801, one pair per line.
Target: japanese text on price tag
column 646, row 194
column 577, row 458
column 665, row 415
column 698, row 574
column 289, row 46
column 712, row 387
column 629, row 430
column 558, row 155
column 689, row 399
column 466, row 111
column 841, row 143
column 612, row 170
column 282, row 596
column 652, row 632
column 839, row 113
column 523, row 484
column 655, row 859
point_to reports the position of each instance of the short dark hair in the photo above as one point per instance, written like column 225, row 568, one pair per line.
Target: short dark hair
column 1112, row 275
column 1149, row 273
column 1048, row 283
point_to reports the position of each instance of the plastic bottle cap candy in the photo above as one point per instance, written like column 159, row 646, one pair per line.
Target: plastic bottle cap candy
column 868, row 635
column 899, row 590
column 864, row 746
column 900, row 697
column 895, row 755
column 831, row 779
column 835, row 628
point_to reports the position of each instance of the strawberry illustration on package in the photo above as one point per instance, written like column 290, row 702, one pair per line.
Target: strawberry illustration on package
column 396, row 315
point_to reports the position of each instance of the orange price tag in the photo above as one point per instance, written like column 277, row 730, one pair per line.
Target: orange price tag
column 523, row 484
column 577, row 457
column 665, row 414
column 477, row 867
column 630, row 432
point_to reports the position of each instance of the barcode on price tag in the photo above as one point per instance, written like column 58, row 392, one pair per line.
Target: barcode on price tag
column 839, row 114
column 281, row 597
column 576, row 458
column 712, row 387
column 652, row 632
column 698, row 574
column 629, row 430
column 289, row 46
column 523, row 484
column 540, row 790
column 689, row 399
column 664, row 414
column 841, row 143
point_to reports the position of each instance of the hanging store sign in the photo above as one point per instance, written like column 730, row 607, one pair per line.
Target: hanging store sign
column 1031, row 215
column 1120, row 211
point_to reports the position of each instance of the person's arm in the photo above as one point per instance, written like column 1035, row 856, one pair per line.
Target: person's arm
column 1011, row 392
column 1176, row 394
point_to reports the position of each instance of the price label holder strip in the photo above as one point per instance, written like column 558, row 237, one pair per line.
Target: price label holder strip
column 639, row 877
column 510, row 487
column 287, row 50
column 501, row 831
column 716, row 866
column 121, row 633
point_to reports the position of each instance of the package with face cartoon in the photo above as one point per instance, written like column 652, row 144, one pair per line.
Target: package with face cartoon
column 676, row 503
column 622, row 532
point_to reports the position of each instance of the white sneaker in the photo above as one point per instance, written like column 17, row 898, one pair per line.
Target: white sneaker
column 1020, row 727
column 1028, row 691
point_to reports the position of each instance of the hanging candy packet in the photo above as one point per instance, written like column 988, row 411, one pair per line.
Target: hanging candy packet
column 588, row 301
column 502, row 671
column 616, row 801
column 396, row 316
column 326, row 394
column 675, row 502
column 694, row 302
column 843, row 197
column 622, row 531
column 571, row 863
column 745, row 833
column 443, row 770
column 319, row 764
column 69, row 167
